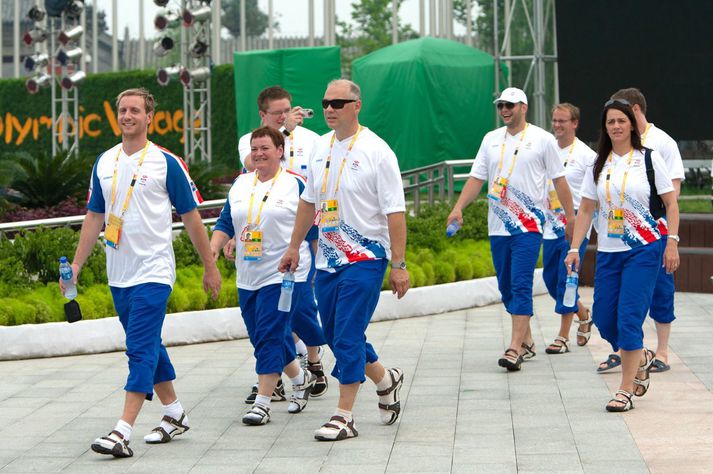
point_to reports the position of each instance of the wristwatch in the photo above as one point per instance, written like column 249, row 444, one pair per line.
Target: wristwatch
column 674, row 237
column 399, row 265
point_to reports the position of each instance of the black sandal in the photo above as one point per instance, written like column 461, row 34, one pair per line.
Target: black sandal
column 509, row 362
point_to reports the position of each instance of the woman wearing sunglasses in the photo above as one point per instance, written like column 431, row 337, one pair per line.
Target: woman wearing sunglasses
column 630, row 249
column 260, row 212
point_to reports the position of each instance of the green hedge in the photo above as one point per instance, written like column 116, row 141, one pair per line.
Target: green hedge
column 25, row 118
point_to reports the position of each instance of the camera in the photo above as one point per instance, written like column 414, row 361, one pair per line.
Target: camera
column 307, row 113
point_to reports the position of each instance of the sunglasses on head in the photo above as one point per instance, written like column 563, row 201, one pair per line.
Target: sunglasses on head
column 507, row 105
column 611, row 102
column 336, row 104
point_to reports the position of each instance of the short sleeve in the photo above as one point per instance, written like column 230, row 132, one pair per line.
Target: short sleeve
column 225, row 220
column 672, row 158
column 244, row 147
column 182, row 191
column 95, row 199
column 661, row 174
column 552, row 161
column 389, row 185
column 479, row 169
column 308, row 191
column 589, row 187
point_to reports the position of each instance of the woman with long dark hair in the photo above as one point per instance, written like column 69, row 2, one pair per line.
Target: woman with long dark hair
column 630, row 249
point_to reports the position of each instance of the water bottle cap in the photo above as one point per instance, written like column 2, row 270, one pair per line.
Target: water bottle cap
column 62, row 259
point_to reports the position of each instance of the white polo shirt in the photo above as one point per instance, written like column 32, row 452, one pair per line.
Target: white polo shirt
column 523, row 208
column 298, row 148
column 640, row 228
column 145, row 253
column 575, row 158
column 370, row 188
column 277, row 220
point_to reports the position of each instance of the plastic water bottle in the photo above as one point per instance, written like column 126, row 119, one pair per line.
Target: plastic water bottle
column 65, row 272
column 452, row 228
column 570, row 292
column 288, row 284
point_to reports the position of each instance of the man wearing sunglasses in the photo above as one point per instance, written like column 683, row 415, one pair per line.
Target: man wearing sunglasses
column 276, row 111
column 662, row 303
column 353, row 178
column 516, row 160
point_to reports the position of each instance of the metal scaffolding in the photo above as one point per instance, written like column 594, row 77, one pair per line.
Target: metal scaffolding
column 539, row 16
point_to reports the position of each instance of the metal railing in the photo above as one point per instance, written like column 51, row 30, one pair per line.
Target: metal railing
column 436, row 181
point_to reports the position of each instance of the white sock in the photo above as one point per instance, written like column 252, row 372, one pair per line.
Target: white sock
column 385, row 382
column 174, row 410
column 299, row 380
column 301, row 347
column 346, row 414
column 263, row 400
column 124, row 428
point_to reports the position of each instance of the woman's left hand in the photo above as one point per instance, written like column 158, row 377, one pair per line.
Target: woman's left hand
column 671, row 259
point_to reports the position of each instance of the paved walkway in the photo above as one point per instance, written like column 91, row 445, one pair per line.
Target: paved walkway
column 461, row 412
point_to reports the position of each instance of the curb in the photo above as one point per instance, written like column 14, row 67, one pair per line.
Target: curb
column 29, row 341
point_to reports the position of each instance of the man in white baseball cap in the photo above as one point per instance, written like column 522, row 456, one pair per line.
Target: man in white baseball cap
column 517, row 161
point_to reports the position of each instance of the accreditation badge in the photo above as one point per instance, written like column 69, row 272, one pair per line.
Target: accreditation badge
column 329, row 215
column 555, row 204
column 112, row 232
column 252, row 245
column 498, row 189
column 615, row 224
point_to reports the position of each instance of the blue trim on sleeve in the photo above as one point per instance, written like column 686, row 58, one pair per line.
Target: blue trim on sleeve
column 225, row 221
column 178, row 186
column 96, row 195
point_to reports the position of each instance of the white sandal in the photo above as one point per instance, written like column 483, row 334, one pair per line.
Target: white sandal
column 585, row 334
column 389, row 400
column 628, row 404
column 336, row 429
column 179, row 427
column 108, row 445
column 297, row 404
column 257, row 415
column 562, row 347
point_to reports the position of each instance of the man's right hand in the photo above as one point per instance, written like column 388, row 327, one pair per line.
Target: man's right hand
column 289, row 261
column 229, row 249
column 455, row 215
column 294, row 118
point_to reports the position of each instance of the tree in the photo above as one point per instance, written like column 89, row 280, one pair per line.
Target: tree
column 256, row 21
column 371, row 30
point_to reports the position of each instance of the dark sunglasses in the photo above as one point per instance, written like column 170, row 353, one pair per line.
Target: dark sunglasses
column 336, row 103
column 507, row 105
column 611, row 102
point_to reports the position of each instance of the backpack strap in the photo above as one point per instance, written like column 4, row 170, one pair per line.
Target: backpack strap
column 656, row 206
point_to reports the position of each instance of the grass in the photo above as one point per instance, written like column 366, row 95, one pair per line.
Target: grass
column 695, row 206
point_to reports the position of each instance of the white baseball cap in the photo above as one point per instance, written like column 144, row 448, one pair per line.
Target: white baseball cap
column 512, row 95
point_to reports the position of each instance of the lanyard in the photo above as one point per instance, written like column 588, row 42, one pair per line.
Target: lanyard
column 262, row 203
column 569, row 155
column 646, row 132
column 344, row 160
column 514, row 156
column 292, row 151
column 623, row 183
column 133, row 180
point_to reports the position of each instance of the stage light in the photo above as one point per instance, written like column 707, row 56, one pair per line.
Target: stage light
column 36, row 14
column 198, row 15
column 74, row 7
column 167, row 74
column 35, row 61
column 69, row 56
column 166, row 20
column 35, row 83
column 73, row 80
column 35, row 35
column 163, row 46
column 160, row 3
column 189, row 76
column 197, row 49
column 71, row 34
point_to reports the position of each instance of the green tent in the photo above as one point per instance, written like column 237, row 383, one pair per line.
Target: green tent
column 304, row 72
column 430, row 99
